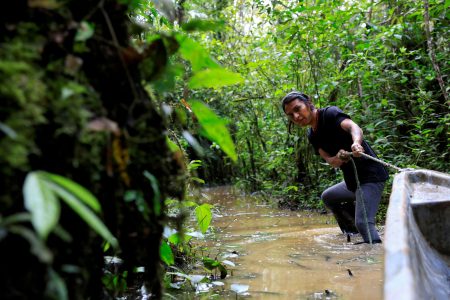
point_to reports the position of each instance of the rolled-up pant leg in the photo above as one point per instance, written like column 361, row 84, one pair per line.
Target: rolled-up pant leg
column 371, row 196
column 341, row 202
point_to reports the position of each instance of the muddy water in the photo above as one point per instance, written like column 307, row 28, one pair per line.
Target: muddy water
column 282, row 254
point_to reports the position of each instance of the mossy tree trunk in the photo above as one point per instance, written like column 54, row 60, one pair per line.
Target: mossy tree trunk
column 113, row 89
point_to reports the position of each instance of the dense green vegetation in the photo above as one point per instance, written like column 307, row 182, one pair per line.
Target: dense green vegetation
column 113, row 109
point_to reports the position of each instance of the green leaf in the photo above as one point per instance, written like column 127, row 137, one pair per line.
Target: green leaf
column 37, row 246
column 157, row 195
column 56, row 286
column 84, row 32
column 42, row 204
column 195, row 54
column 193, row 142
column 204, row 216
column 214, row 78
column 166, row 254
column 15, row 218
column 8, row 130
column 174, row 239
column 194, row 164
column 84, row 212
column 203, row 25
column 187, row 203
column 75, row 189
column 196, row 179
column 177, row 238
column 172, row 146
column 210, row 263
column 214, row 128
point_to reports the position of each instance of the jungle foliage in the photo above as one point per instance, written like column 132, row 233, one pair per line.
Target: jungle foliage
column 385, row 63
column 110, row 107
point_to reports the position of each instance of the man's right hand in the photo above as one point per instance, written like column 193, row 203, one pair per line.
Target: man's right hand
column 333, row 161
column 343, row 155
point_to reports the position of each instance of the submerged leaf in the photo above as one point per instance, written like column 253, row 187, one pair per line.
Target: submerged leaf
column 229, row 263
column 239, row 288
column 195, row 278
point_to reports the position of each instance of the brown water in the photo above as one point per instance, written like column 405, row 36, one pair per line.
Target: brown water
column 283, row 254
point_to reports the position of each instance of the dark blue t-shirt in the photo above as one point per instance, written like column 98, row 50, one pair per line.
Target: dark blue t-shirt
column 331, row 138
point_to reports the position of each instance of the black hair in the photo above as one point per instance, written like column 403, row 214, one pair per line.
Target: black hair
column 294, row 95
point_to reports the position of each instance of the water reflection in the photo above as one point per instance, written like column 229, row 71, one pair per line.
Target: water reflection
column 281, row 254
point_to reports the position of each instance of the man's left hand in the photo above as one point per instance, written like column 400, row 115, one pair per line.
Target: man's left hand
column 357, row 149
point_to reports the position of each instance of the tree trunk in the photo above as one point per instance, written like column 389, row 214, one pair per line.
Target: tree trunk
column 116, row 80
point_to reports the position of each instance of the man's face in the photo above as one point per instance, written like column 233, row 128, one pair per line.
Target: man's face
column 298, row 112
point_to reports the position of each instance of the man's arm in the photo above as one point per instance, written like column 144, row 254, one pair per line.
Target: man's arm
column 357, row 136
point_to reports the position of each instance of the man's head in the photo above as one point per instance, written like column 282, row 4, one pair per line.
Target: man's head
column 294, row 95
column 298, row 108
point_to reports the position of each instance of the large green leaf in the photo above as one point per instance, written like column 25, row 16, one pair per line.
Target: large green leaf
column 203, row 25
column 214, row 78
column 195, row 54
column 214, row 128
column 42, row 204
column 166, row 253
column 84, row 212
column 76, row 189
column 204, row 216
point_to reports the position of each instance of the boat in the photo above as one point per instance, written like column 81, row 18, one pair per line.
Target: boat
column 417, row 237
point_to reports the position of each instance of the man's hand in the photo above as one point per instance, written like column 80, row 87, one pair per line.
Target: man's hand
column 338, row 160
column 334, row 161
column 357, row 149
column 343, row 155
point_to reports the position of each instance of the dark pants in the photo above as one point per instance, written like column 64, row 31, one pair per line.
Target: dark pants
column 351, row 216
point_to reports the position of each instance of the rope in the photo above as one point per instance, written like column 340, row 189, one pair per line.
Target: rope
column 349, row 154
column 358, row 189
